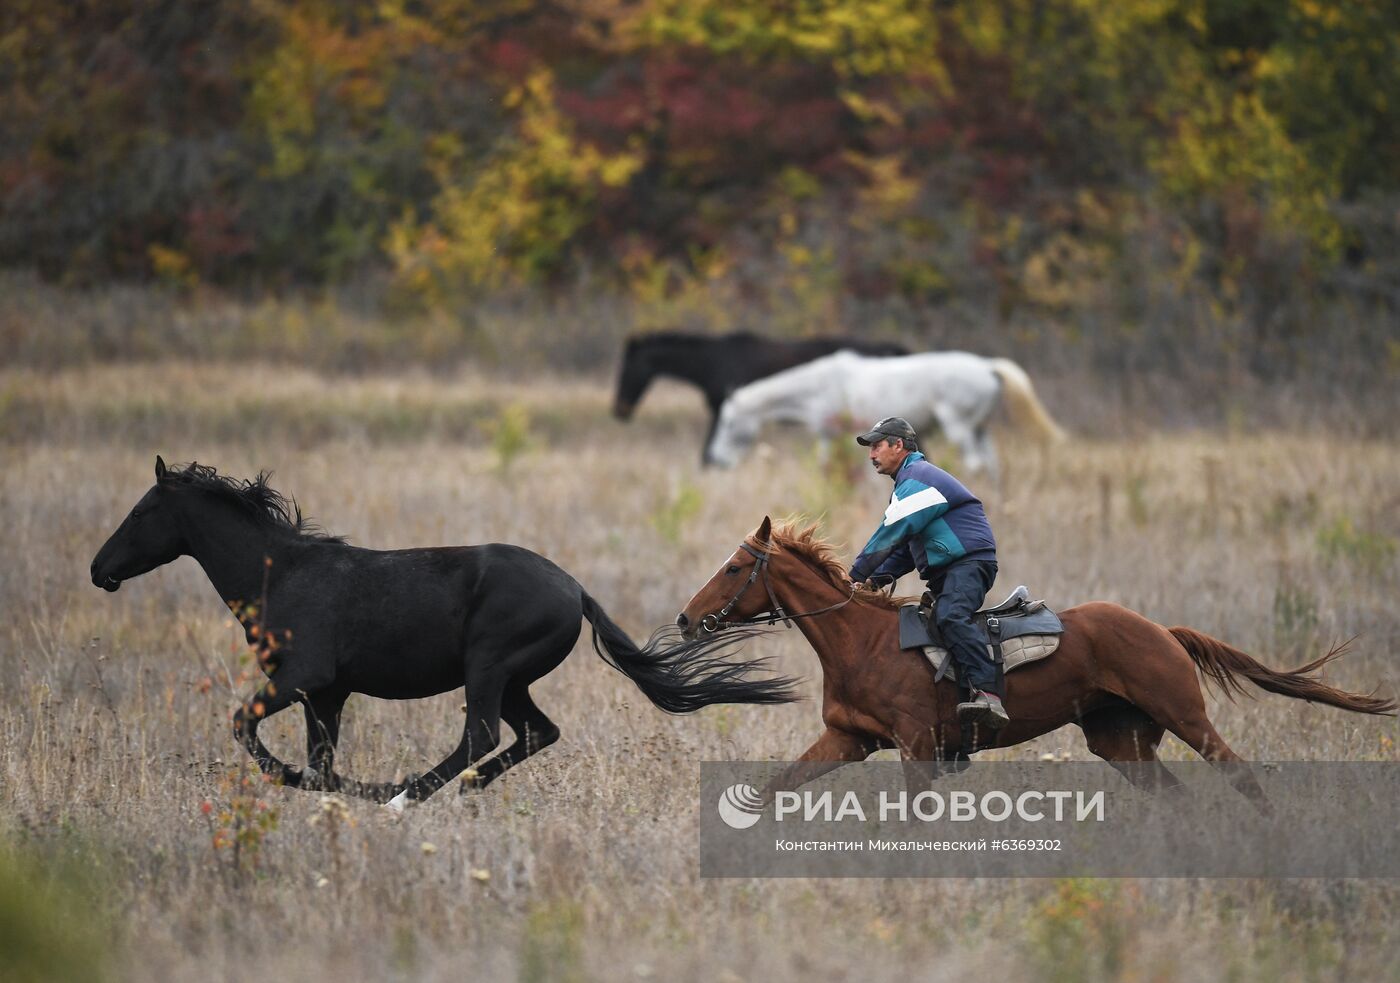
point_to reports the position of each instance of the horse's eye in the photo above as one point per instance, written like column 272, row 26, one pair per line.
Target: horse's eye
column 731, row 571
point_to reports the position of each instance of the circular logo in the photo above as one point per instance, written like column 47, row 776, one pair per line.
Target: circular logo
column 740, row 806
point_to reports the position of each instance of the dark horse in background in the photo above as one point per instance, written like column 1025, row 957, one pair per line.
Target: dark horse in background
column 721, row 364
column 328, row 619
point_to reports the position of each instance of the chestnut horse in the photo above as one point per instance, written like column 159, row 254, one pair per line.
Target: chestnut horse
column 1122, row 678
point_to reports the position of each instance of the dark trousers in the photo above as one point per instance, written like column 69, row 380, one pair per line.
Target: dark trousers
column 959, row 590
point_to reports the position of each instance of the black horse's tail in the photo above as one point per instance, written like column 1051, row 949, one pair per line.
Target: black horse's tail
column 680, row 675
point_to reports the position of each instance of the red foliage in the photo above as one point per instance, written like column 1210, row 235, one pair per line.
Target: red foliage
column 984, row 120
column 1001, row 178
column 610, row 111
column 509, row 57
column 14, row 172
column 807, row 129
column 212, row 234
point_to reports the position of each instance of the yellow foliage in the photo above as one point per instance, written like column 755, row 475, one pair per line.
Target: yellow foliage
column 171, row 265
column 515, row 216
column 1231, row 142
column 321, row 62
column 859, row 38
column 1065, row 271
column 888, row 191
column 871, row 110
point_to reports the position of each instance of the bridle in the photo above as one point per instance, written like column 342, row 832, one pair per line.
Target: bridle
column 715, row 622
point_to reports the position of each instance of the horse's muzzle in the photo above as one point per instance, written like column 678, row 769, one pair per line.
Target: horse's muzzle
column 688, row 630
column 106, row 581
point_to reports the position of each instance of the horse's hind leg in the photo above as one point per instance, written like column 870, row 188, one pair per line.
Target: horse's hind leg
column 480, row 735
column 533, row 733
column 1127, row 738
column 1175, row 701
column 1202, row 736
column 505, row 650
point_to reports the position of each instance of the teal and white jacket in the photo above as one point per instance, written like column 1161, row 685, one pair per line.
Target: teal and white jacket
column 932, row 520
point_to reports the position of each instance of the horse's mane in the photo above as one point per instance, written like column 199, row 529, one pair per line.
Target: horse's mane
column 821, row 557
column 254, row 497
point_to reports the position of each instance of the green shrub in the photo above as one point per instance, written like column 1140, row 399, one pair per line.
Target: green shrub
column 1340, row 541
column 671, row 516
column 48, row 932
column 550, row 951
column 510, row 435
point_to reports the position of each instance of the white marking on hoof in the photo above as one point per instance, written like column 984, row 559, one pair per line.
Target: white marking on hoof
column 398, row 802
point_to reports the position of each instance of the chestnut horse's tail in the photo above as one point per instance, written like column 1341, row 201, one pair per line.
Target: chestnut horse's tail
column 1223, row 663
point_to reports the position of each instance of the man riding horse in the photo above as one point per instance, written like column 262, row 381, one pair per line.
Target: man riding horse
column 933, row 523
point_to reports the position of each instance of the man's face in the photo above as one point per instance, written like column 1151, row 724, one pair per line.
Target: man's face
column 887, row 455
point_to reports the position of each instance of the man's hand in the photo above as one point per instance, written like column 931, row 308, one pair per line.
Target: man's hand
column 878, row 582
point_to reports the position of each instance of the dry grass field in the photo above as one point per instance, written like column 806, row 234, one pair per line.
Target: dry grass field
column 582, row 864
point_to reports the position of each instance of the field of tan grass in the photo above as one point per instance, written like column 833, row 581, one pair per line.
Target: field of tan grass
column 582, row 864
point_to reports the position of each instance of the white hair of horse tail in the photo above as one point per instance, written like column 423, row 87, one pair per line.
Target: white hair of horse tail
column 1021, row 401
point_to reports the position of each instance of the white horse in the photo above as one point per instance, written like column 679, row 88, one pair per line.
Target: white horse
column 956, row 390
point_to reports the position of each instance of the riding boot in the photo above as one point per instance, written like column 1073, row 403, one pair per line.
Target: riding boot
column 986, row 709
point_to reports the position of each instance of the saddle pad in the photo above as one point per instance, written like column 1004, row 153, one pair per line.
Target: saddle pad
column 1015, row 653
column 914, row 633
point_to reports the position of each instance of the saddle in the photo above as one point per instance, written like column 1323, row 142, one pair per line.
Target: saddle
column 1016, row 631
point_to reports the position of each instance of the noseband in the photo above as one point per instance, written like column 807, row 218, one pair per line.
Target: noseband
column 715, row 622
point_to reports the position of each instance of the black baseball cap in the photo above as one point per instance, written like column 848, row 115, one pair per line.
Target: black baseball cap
column 890, row 426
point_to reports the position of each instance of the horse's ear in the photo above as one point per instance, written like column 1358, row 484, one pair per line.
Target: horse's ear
column 765, row 531
column 160, row 467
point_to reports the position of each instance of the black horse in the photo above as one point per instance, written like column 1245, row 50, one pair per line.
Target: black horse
column 328, row 619
column 721, row 364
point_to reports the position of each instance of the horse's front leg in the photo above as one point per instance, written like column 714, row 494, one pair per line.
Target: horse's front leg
column 322, row 735
column 270, row 699
column 922, row 755
column 830, row 751
column 705, row 460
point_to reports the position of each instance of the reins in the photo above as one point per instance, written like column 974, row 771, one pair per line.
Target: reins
column 715, row 622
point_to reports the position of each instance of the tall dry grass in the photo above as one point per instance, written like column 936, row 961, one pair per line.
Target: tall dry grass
column 582, row 864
